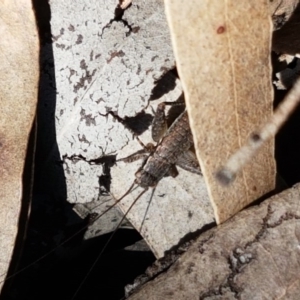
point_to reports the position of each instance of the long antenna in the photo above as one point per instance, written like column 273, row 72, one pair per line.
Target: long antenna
column 108, row 241
column 147, row 209
column 67, row 240
column 236, row 162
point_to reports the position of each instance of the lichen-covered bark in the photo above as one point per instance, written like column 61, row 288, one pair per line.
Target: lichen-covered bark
column 255, row 255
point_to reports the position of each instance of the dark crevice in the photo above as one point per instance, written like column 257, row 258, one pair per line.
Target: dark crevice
column 189, row 238
column 170, row 257
column 263, row 229
column 235, row 266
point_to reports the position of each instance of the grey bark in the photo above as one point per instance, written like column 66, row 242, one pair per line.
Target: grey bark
column 254, row 255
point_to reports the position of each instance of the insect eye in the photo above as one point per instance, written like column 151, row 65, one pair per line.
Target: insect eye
column 138, row 174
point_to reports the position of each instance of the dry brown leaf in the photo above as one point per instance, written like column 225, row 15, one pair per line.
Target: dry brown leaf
column 255, row 255
column 223, row 58
column 19, row 60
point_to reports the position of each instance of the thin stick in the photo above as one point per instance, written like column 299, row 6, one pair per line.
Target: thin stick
column 236, row 162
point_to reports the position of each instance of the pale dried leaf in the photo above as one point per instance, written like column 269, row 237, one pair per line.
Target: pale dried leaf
column 223, row 58
column 19, row 60
column 255, row 255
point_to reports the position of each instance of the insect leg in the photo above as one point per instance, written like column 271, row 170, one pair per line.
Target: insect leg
column 160, row 122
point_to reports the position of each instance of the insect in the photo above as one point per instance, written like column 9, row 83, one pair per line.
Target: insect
column 172, row 148
column 159, row 166
column 155, row 166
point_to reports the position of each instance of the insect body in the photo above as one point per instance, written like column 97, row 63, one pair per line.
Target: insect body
column 170, row 199
column 173, row 148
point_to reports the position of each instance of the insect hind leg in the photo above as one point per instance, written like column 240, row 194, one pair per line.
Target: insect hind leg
column 161, row 122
